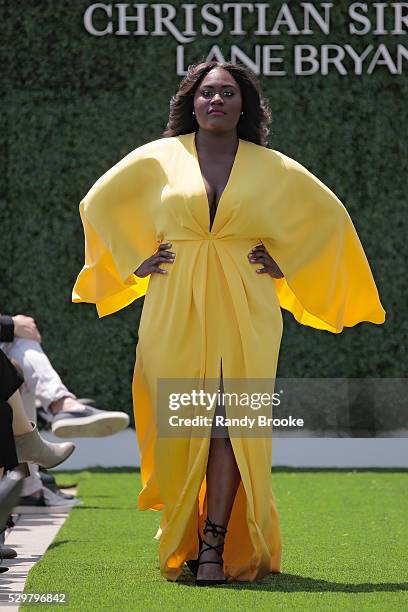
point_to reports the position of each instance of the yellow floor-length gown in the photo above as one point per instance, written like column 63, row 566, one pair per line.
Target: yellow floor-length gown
column 212, row 305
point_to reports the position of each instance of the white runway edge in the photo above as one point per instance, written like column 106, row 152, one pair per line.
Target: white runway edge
column 31, row 536
column 120, row 450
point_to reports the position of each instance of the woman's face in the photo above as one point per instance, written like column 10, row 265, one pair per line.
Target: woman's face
column 219, row 92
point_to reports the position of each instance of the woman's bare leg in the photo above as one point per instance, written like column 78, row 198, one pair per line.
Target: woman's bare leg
column 223, row 479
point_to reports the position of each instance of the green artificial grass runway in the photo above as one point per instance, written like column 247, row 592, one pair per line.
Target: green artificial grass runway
column 344, row 548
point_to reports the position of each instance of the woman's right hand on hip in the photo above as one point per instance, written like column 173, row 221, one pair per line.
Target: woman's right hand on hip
column 151, row 265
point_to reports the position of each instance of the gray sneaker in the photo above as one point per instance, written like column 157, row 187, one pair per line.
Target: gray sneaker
column 89, row 423
column 47, row 503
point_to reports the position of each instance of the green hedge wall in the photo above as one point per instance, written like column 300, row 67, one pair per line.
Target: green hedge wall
column 73, row 105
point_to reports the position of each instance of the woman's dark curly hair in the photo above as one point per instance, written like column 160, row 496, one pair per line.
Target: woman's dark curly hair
column 253, row 125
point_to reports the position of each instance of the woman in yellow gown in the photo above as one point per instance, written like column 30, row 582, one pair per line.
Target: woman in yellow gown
column 212, row 192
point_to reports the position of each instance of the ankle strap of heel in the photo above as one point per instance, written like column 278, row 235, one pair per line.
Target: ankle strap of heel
column 216, row 530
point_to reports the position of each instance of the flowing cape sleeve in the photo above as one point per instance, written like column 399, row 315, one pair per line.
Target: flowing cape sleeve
column 327, row 281
column 117, row 217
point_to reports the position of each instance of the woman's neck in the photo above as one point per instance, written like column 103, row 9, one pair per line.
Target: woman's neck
column 219, row 143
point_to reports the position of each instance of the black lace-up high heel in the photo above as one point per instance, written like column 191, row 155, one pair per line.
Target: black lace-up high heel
column 216, row 530
column 193, row 563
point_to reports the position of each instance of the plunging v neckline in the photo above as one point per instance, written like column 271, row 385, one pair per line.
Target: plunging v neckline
column 227, row 185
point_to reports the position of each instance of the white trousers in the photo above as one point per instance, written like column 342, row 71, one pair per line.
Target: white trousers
column 39, row 376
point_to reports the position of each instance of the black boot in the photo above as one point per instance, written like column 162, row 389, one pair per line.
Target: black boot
column 6, row 552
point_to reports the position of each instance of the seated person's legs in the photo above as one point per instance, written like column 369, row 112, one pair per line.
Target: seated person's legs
column 72, row 418
column 20, row 440
column 39, row 375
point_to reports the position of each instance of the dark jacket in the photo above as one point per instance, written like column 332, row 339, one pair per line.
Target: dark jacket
column 6, row 328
